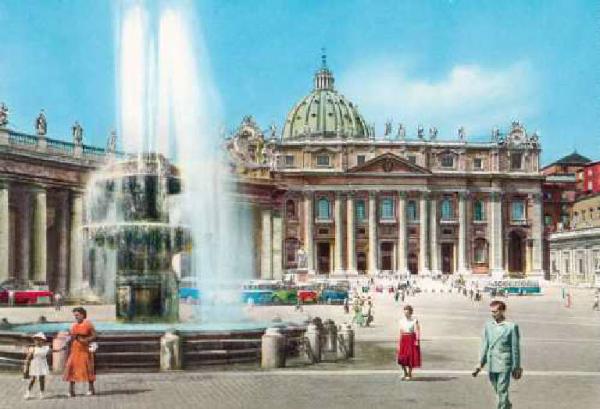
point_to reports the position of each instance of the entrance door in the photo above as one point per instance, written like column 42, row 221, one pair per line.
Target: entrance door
column 413, row 263
column 387, row 254
column 516, row 253
column 447, row 258
column 323, row 258
column 361, row 262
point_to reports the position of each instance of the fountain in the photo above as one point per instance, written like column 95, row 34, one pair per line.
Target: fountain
column 131, row 227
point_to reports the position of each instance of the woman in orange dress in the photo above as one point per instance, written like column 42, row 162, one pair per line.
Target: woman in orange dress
column 80, row 363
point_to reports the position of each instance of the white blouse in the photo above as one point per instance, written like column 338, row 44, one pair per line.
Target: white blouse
column 408, row 325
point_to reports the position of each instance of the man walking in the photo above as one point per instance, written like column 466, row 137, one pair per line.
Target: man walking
column 500, row 350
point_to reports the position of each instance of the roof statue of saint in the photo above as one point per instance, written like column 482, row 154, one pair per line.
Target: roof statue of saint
column 325, row 113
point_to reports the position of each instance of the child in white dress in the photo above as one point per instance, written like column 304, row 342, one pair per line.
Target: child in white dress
column 36, row 364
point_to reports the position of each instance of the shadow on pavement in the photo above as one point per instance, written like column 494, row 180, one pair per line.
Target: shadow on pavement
column 432, row 378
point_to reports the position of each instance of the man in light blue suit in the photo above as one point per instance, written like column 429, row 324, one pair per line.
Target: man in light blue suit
column 500, row 350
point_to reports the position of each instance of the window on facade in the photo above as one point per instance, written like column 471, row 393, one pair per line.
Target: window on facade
column 387, row 208
column 289, row 160
column 447, row 211
column 567, row 263
column 447, row 161
column 251, row 150
column 322, row 160
column 518, row 210
column 477, row 163
column 360, row 159
column 478, row 211
column 547, row 220
column 361, row 213
column 480, row 253
column 412, row 159
column 516, row 161
column 411, row 210
column 290, row 209
column 291, row 250
column 323, row 209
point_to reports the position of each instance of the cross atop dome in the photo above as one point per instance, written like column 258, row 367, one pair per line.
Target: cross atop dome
column 324, row 78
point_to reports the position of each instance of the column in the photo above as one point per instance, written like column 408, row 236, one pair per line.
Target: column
column 372, row 261
column 495, row 235
column 350, row 231
column 402, row 246
column 277, row 246
column 462, row 233
column 63, row 245
column 337, row 260
column 423, row 261
column 76, row 253
column 537, row 268
column 433, row 236
column 39, row 234
column 266, row 250
column 4, row 232
column 308, row 231
column 25, row 212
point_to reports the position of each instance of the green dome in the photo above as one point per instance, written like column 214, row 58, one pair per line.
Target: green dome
column 324, row 113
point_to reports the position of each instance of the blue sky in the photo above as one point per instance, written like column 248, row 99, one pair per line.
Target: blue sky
column 439, row 63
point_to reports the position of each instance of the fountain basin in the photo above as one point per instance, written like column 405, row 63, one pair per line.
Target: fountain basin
column 133, row 347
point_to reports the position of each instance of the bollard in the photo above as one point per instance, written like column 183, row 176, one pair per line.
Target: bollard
column 346, row 338
column 273, row 349
column 170, row 352
column 313, row 349
column 330, row 345
column 59, row 358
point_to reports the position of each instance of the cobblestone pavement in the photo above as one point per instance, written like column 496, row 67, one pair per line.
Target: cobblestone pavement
column 561, row 357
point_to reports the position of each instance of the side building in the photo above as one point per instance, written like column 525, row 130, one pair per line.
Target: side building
column 575, row 252
column 331, row 198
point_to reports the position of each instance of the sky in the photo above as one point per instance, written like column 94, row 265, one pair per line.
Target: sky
column 443, row 63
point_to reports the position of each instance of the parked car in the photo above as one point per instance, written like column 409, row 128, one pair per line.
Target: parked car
column 307, row 294
column 26, row 292
column 333, row 294
column 284, row 294
column 258, row 291
column 188, row 290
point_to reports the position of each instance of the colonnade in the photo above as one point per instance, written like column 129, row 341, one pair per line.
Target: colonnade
column 31, row 257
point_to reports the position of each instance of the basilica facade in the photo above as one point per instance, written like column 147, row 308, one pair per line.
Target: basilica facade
column 332, row 197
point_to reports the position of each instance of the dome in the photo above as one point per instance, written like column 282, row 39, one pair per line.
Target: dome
column 324, row 113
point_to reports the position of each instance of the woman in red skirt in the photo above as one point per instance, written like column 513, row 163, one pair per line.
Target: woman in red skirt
column 409, row 350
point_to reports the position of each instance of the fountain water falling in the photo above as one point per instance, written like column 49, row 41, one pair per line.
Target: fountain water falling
column 168, row 108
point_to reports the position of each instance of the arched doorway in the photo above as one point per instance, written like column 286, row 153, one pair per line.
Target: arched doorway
column 413, row 263
column 516, row 252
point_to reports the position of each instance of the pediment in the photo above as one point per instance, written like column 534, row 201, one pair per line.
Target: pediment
column 389, row 163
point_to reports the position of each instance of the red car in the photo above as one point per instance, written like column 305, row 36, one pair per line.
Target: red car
column 307, row 295
column 25, row 292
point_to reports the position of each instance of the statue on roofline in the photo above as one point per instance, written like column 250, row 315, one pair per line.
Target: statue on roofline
column 41, row 125
column 3, row 115
column 77, row 131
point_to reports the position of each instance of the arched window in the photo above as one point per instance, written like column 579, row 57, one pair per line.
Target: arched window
column 480, row 251
column 518, row 210
column 447, row 210
column 323, row 209
column 290, row 209
column 361, row 213
column 411, row 210
column 387, row 208
column 478, row 211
